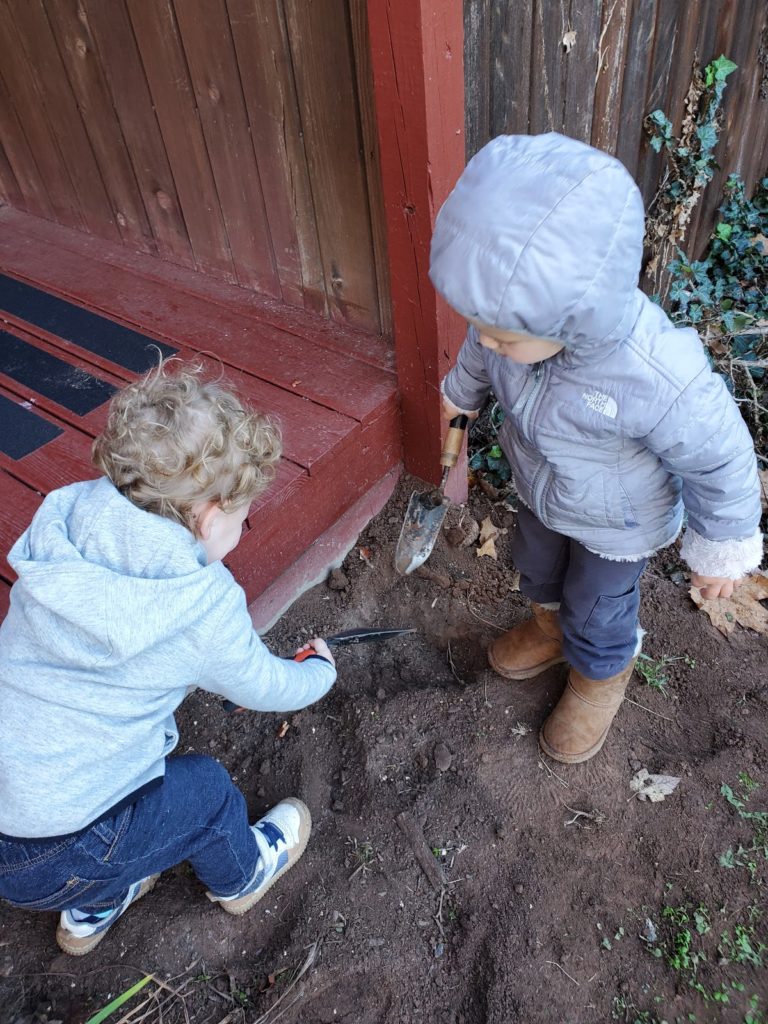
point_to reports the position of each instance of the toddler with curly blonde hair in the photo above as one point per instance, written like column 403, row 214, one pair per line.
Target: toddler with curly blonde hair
column 122, row 604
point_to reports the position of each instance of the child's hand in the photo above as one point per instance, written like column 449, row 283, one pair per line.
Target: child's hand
column 450, row 411
column 319, row 647
column 714, row 586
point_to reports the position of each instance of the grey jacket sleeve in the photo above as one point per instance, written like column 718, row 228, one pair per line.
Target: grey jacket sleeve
column 239, row 667
column 467, row 384
column 703, row 440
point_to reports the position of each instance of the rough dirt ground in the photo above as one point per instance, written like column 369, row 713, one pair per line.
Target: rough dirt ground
column 553, row 872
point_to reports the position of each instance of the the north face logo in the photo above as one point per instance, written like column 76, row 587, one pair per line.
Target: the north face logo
column 601, row 403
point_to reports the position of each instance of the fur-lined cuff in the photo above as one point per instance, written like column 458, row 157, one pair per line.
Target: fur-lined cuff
column 466, row 412
column 730, row 559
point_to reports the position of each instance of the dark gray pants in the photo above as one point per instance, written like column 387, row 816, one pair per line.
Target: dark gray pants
column 599, row 599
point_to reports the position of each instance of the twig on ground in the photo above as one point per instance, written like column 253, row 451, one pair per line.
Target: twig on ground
column 311, row 957
column 426, row 859
column 456, row 675
column 564, row 972
column 553, row 773
column 649, row 710
column 597, row 816
column 472, row 611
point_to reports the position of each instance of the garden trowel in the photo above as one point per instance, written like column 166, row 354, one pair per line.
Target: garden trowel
column 426, row 509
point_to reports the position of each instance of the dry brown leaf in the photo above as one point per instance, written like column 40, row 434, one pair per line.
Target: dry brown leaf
column 744, row 607
column 489, row 548
column 488, row 530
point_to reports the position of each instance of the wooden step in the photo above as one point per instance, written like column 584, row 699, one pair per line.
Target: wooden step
column 81, row 318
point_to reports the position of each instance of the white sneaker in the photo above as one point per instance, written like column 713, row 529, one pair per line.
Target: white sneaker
column 281, row 836
column 79, row 933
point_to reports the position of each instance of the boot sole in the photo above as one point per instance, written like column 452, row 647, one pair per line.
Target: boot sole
column 572, row 758
column 520, row 674
column 247, row 902
column 75, row 946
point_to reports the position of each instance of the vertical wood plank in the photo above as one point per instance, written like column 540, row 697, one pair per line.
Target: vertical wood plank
column 162, row 55
column 325, row 85
column 417, row 59
column 261, row 44
column 511, row 39
column 662, row 55
column 207, row 40
column 82, row 67
column 478, row 74
column 550, row 23
column 33, row 195
column 64, row 116
column 111, row 35
column 640, row 35
column 30, row 113
column 581, row 69
column 611, row 51
column 364, row 75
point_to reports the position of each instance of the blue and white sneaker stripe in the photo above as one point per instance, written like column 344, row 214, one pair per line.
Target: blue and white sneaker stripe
column 82, row 925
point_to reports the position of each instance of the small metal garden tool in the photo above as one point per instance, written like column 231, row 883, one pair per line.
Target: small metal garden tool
column 426, row 509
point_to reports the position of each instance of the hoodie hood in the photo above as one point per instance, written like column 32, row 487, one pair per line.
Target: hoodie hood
column 543, row 234
column 100, row 570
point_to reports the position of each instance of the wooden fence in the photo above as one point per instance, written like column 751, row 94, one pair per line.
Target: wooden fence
column 593, row 69
column 231, row 136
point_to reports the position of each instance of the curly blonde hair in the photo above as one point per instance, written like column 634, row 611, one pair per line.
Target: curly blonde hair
column 173, row 439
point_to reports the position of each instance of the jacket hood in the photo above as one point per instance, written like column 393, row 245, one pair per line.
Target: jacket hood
column 100, row 569
column 543, row 234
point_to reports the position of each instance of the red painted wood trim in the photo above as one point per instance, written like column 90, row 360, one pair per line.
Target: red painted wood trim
column 418, row 73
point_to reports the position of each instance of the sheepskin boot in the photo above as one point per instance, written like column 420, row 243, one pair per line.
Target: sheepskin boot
column 577, row 728
column 529, row 648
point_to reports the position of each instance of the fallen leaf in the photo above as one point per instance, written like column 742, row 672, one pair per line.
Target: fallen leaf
column 520, row 729
column 283, row 730
column 568, row 40
column 488, row 530
column 744, row 607
column 489, row 548
column 653, row 787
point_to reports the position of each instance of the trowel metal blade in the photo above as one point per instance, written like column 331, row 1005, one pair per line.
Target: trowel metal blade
column 421, row 526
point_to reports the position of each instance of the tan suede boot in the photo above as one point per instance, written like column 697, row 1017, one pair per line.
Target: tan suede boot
column 529, row 648
column 577, row 728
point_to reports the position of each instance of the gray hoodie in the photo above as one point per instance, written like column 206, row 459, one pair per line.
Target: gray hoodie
column 114, row 616
column 612, row 437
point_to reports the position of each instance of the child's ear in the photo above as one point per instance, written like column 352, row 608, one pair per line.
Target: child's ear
column 204, row 513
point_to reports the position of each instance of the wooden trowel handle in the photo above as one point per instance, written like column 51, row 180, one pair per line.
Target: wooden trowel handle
column 453, row 441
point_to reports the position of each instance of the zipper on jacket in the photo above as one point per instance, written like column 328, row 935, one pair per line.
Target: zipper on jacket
column 540, row 479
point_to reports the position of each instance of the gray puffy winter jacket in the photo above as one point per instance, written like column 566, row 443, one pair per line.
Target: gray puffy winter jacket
column 613, row 436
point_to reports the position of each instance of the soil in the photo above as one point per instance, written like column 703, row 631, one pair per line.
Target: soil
column 556, row 878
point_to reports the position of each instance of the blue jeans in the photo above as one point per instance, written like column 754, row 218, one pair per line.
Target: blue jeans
column 599, row 599
column 197, row 814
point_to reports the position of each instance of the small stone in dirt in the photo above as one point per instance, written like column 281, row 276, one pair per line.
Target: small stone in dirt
column 422, row 923
column 261, row 791
column 381, row 693
column 439, row 949
column 375, row 942
column 338, row 580
column 501, row 829
column 265, row 767
column 519, row 889
column 337, row 806
column 443, row 757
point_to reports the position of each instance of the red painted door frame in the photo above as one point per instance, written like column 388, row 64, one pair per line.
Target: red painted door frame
column 417, row 58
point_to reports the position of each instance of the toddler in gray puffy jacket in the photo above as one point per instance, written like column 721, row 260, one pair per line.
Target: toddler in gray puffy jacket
column 614, row 421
